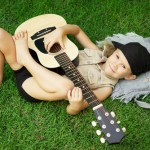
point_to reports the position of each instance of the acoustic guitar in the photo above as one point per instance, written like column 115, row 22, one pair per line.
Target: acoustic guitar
column 37, row 28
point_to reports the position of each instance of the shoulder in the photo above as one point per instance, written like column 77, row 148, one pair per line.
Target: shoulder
column 103, row 92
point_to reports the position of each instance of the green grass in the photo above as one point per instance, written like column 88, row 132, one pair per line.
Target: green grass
column 46, row 126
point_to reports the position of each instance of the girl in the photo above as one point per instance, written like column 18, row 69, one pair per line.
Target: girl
column 36, row 83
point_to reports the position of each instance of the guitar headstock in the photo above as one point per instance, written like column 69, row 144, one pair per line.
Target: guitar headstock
column 112, row 131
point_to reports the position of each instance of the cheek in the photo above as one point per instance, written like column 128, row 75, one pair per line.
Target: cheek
column 122, row 72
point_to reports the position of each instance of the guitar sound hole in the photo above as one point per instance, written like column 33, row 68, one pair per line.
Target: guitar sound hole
column 55, row 48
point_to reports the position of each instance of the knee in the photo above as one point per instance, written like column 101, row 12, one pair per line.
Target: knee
column 66, row 86
column 2, row 32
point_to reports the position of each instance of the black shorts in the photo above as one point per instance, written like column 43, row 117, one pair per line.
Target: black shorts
column 23, row 74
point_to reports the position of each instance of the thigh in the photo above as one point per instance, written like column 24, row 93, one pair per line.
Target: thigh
column 32, row 88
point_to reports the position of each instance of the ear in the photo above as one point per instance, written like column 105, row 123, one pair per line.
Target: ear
column 130, row 77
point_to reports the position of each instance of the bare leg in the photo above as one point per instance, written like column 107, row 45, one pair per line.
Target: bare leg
column 7, row 52
column 51, row 83
column 7, row 49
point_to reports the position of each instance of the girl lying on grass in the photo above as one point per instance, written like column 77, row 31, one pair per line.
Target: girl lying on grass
column 101, row 70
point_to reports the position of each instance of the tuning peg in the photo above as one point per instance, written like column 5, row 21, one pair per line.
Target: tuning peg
column 113, row 114
column 94, row 123
column 124, row 129
column 118, row 122
column 98, row 132
column 102, row 140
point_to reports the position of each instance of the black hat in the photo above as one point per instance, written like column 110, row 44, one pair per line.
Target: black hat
column 137, row 56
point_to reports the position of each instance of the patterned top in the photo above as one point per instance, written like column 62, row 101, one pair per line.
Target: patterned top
column 89, row 68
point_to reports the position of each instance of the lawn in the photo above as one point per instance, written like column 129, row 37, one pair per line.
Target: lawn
column 46, row 125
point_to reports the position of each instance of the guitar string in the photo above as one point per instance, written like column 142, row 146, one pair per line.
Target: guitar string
column 81, row 78
column 82, row 81
column 102, row 109
column 106, row 130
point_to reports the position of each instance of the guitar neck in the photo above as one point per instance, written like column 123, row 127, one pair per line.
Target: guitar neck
column 73, row 74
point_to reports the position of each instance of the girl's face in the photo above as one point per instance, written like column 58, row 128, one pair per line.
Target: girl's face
column 117, row 66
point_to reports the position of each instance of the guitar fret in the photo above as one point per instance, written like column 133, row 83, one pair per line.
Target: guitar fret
column 91, row 96
column 77, row 80
column 88, row 95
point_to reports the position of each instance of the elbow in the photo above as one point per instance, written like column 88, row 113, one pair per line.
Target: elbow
column 76, row 29
column 68, row 86
column 76, row 26
column 64, row 87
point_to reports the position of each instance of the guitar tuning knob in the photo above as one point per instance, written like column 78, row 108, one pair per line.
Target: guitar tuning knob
column 118, row 122
column 94, row 123
column 124, row 129
column 102, row 140
column 98, row 132
column 113, row 114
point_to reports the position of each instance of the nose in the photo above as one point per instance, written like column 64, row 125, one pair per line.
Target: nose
column 115, row 65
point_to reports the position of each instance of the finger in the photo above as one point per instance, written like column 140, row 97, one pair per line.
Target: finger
column 49, row 47
column 62, row 44
column 46, row 46
column 69, row 94
column 73, row 92
column 46, row 42
column 18, row 35
column 76, row 93
column 13, row 37
column 80, row 93
column 25, row 34
column 21, row 34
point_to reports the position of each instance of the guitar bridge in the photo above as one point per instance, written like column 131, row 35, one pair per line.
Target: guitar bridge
column 42, row 32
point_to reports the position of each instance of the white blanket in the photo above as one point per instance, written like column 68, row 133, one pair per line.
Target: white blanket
column 131, row 90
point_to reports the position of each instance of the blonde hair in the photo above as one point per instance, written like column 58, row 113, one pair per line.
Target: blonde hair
column 106, row 46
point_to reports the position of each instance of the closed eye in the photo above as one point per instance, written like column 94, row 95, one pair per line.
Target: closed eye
column 123, row 66
column 117, row 56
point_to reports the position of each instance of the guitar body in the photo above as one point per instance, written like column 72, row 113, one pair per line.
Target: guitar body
column 37, row 28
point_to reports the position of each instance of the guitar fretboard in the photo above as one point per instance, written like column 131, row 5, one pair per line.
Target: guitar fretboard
column 74, row 75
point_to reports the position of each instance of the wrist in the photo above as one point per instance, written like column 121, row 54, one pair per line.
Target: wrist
column 72, row 110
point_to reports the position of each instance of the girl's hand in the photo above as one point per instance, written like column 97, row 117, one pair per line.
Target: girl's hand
column 55, row 36
column 75, row 98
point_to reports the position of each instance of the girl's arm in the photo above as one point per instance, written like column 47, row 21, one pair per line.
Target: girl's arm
column 57, row 37
column 2, row 60
column 78, row 104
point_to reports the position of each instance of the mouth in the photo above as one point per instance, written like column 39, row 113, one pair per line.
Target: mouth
column 112, row 67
